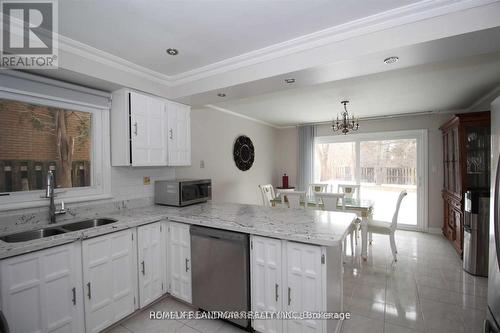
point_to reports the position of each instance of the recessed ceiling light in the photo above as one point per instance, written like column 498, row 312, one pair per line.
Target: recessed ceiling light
column 221, row 95
column 291, row 80
column 391, row 60
column 172, row 52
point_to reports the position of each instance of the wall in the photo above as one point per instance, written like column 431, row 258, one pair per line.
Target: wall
column 212, row 137
column 127, row 182
column 287, row 144
column 287, row 155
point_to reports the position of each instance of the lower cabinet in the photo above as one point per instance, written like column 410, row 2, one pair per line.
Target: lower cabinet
column 287, row 276
column 110, row 278
column 42, row 291
column 266, row 282
column 151, row 262
column 304, row 286
column 179, row 252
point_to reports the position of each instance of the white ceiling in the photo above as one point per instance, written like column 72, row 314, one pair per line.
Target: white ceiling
column 447, row 85
column 203, row 31
column 449, row 50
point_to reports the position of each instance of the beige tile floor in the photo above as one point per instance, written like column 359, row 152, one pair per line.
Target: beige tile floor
column 426, row 290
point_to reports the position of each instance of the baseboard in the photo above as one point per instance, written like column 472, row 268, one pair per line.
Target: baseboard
column 436, row 231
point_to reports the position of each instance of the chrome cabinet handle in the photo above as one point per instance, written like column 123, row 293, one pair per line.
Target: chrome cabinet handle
column 289, row 295
column 89, row 293
column 276, row 286
column 171, row 134
column 143, row 268
column 135, row 128
column 74, row 295
column 187, row 268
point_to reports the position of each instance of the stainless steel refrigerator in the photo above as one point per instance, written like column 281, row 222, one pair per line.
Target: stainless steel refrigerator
column 492, row 323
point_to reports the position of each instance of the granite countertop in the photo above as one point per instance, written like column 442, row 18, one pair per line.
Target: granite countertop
column 308, row 226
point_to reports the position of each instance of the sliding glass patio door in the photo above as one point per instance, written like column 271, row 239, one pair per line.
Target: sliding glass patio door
column 383, row 164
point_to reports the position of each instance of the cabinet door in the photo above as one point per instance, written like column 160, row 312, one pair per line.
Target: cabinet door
column 147, row 119
column 304, row 290
column 266, row 270
column 180, row 261
column 110, row 278
column 150, row 261
column 42, row 291
column 179, row 134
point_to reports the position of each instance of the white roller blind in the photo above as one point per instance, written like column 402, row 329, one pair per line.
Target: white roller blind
column 50, row 90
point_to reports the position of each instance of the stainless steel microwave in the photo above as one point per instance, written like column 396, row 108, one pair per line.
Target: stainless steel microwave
column 182, row 192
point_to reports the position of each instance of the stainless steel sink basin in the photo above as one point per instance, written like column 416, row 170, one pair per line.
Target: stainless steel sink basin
column 88, row 224
column 31, row 235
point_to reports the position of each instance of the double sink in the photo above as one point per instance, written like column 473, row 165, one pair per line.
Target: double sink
column 52, row 231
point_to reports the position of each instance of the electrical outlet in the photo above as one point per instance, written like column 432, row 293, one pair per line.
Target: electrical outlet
column 202, row 164
column 146, row 180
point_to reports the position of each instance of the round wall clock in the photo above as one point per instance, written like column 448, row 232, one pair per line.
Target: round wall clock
column 243, row 153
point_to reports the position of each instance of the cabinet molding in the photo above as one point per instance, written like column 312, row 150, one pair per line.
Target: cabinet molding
column 148, row 130
column 180, row 261
column 150, row 262
column 42, row 291
column 266, row 280
column 109, row 278
column 288, row 276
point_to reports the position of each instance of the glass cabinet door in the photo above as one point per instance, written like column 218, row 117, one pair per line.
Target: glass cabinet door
column 456, row 161
column 477, row 142
column 446, row 162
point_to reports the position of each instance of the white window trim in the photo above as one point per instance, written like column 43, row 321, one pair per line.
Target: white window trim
column 422, row 164
column 100, row 167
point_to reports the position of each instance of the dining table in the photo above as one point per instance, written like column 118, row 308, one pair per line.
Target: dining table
column 361, row 207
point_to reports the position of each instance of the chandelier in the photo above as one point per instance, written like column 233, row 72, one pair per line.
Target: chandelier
column 346, row 123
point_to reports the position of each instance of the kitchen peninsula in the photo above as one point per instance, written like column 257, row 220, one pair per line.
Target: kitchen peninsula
column 309, row 255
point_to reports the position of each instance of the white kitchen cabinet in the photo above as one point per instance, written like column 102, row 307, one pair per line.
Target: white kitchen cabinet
column 149, row 131
column 151, row 259
column 304, row 276
column 266, row 287
column 180, row 261
column 147, row 119
column 287, row 276
column 42, row 291
column 179, row 134
column 110, row 278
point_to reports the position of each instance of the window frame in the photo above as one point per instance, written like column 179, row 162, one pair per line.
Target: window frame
column 100, row 152
column 421, row 136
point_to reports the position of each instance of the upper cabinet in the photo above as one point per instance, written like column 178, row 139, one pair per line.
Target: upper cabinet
column 179, row 134
column 149, row 131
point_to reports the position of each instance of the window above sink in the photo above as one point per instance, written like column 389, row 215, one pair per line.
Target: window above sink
column 65, row 132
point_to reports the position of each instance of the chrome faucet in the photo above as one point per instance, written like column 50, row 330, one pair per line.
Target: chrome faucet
column 49, row 193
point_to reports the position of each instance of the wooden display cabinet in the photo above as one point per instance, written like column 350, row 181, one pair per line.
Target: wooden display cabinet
column 466, row 162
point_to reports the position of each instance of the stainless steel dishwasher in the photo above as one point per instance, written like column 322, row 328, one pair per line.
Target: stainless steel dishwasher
column 221, row 271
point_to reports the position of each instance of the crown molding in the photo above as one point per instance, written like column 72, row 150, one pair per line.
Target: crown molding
column 218, row 108
column 419, row 11
column 91, row 53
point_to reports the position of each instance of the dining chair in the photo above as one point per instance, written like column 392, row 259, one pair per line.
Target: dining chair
column 351, row 191
column 267, row 192
column 332, row 201
column 294, row 199
column 317, row 188
column 388, row 228
column 336, row 202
